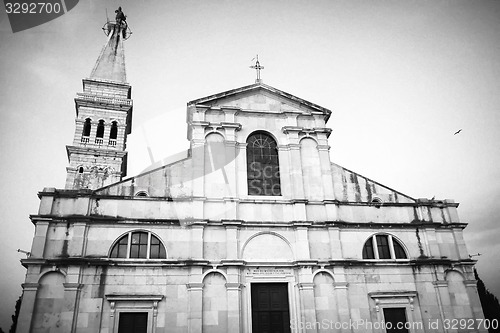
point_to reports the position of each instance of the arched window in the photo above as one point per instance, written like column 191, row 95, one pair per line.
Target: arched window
column 383, row 246
column 86, row 127
column 263, row 171
column 100, row 129
column 113, row 133
column 80, row 170
column 138, row 245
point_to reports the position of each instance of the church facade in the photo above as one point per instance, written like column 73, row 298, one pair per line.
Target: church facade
column 256, row 230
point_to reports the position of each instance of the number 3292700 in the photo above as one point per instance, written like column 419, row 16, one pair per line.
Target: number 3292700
column 32, row 8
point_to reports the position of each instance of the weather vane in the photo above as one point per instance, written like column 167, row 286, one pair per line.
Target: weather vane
column 257, row 68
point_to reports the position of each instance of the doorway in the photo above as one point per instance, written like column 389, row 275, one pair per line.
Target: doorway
column 270, row 309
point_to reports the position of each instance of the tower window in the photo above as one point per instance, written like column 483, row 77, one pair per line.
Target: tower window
column 100, row 129
column 86, row 127
column 383, row 246
column 113, row 133
column 263, row 172
column 80, row 170
column 139, row 245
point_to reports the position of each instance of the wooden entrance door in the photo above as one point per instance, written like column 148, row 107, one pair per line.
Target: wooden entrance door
column 270, row 310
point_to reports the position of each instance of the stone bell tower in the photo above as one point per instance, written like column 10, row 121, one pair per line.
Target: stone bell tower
column 103, row 120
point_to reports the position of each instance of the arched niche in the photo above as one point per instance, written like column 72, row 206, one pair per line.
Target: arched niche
column 214, row 306
column 267, row 247
column 50, row 303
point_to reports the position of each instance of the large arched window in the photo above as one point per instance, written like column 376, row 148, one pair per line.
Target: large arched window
column 138, row 245
column 263, row 171
column 383, row 246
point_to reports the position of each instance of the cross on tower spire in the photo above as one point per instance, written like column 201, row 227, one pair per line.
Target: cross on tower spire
column 257, row 68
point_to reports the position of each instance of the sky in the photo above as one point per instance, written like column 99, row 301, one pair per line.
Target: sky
column 401, row 77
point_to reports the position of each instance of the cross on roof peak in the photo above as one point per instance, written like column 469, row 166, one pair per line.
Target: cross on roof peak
column 257, row 68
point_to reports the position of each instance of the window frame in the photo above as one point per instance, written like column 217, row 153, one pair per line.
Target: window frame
column 128, row 235
column 406, row 300
column 391, row 240
column 133, row 303
column 275, row 166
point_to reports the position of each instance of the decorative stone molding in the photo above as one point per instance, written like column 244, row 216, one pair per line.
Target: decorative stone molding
column 232, row 223
column 306, row 263
column 340, row 285
column 291, row 129
column 30, row 286
column 306, row 286
column 194, row 286
column 234, row 286
column 470, row 283
column 233, row 262
column 301, row 224
column 134, row 298
column 125, row 303
column 72, row 286
column 235, row 126
column 440, row 283
column 196, row 224
column 391, row 298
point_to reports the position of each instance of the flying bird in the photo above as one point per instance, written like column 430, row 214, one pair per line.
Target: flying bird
column 460, row 130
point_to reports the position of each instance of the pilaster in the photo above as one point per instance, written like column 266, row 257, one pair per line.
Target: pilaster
column 27, row 307
column 197, row 240
column 307, row 305
column 40, row 238
column 475, row 302
column 335, row 243
column 234, row 301
column 195, row 292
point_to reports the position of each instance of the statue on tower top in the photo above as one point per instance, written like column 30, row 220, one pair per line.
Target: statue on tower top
column 120, row 17
column 119, row 26
column 121, row 23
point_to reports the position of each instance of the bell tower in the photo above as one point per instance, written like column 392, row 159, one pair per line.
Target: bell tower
column 103, row 120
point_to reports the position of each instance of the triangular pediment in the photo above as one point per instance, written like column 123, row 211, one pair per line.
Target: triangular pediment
column 261, row 97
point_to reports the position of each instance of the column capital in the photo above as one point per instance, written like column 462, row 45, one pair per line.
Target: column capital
column 306, row 286
column 341, row 285
column 194, row 286
column 72, row 286
column 441, row 283
column 234, row 286
column 470, row 283
column 30, row 286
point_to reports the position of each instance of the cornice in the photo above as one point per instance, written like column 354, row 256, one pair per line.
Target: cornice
column 98, row 151
column 239, row 263
column 201, row 223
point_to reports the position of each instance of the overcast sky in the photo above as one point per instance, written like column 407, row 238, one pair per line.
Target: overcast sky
column 400, row 77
